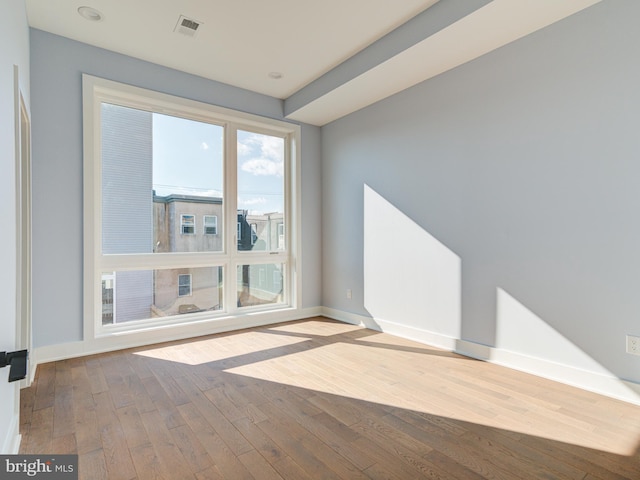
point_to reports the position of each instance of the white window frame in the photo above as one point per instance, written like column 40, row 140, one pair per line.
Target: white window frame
column 182, row 224
column 204, row 224
column 97, row 91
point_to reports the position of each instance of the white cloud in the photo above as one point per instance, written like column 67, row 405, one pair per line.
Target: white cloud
column 252, row 201
column 272, row 147
column 266, row 155
column 243, row 149
column 204, row 146
column 263, row 166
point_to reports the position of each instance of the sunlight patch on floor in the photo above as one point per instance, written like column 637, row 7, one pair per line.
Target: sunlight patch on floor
column 350, row 361
column 360, row 372
column 198, row 352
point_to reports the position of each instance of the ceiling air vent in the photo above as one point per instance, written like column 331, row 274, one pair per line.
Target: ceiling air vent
column 187, row 26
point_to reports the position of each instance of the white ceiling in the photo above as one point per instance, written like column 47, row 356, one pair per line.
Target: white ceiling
column 241, row 41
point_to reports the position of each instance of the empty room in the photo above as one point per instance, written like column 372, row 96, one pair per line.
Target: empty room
column 351, row 239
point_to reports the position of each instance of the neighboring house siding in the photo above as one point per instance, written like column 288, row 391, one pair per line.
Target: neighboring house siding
column 134, row 295
column 167, row 213
column 126, row 180
column 127, row 219
column 205, row 293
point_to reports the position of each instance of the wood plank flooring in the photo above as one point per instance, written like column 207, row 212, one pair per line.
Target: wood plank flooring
column 317, row 399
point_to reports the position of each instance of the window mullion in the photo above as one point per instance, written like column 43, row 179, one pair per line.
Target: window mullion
column 160, row 260
column 231, row 214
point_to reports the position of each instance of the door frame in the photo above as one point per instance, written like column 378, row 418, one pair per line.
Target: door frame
column 23, row 225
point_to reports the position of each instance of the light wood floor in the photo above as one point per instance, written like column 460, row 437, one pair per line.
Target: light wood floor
column 318, row 399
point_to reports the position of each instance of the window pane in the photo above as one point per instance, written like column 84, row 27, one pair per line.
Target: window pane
column 160, row 176
column 184, row 285
column 260, row 191
column 188, row 224
column 144, row 294
column 260, row 284
column 210, row 225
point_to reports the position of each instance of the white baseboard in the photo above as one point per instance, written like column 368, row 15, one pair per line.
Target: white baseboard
column 352, row 318
column 392, row 328
column 608, row 385
column 52, row 353
column 11, row 443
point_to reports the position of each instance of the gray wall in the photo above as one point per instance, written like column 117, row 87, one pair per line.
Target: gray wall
column 14, row 38
column 524, row 164
column 57, row 65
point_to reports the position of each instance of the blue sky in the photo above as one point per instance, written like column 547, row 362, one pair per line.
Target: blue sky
column 187, row 159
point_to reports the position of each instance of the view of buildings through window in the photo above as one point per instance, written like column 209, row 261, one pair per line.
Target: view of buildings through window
column 163, row 193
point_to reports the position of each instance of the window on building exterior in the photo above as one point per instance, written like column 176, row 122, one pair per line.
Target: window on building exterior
column 184, row 285
column 210, row 225
column 254, row 234
column 280, row 236
column 108, row 299
column 187, row 224
column 149, row 157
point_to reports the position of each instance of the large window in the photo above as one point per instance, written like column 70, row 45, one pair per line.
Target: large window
column 155, row 166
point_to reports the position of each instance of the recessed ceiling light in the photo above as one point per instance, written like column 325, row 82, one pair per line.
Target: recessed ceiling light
column 275, row 75
column 90, row 13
